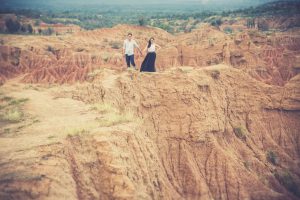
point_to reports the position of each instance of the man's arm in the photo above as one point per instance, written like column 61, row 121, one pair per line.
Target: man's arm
column 124, row 46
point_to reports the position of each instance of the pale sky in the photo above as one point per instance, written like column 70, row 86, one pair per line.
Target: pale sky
column 65, row 3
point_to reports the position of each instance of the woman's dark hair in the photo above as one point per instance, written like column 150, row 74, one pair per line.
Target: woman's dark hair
column 149, row 42
column 130, row 34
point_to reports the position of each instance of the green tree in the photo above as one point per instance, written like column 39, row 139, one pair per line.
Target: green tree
column 29, row 28
column 23, row 28
column 37, row 22
column 216, row 22
column 142, row 21
column 49, row 31
column 13, row 26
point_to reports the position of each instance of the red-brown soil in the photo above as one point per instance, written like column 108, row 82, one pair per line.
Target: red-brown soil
column 272, row 59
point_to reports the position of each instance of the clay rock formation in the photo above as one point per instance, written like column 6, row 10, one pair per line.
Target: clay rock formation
column 65, row 59
column 270, row 59
column 70, row 58
column 205, row 134
column 208, row 133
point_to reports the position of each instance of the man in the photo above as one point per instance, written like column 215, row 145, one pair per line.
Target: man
column 128, row 50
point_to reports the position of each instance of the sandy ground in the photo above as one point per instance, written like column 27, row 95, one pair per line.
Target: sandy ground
column 53, row 117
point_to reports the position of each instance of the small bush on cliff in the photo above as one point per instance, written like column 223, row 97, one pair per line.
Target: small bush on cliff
column 51, row 49
column 76, row 131
column 13, row 115
column 286, row 179
column 112, row 119
column 115, row 45
column 103, row 108
column 228, row 30
column 11, row 109
column 240, row 132
column 272, row 157
column 111, row 115
column 215, row 74
column 216, row 22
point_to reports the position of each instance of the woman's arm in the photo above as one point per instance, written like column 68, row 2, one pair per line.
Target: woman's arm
column 159, row 47
column 146, row 47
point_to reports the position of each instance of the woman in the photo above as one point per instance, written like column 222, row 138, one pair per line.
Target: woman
column 148, row 64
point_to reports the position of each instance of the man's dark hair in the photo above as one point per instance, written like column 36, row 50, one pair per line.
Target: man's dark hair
column 130, row 34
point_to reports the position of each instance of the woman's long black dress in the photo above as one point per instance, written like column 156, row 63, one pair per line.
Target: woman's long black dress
column 148, row 64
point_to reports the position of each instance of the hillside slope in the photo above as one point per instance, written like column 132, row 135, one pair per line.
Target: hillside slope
column 210, row 133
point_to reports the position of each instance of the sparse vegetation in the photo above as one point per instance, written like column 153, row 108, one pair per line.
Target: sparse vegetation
column 177, row 19
column 80, row 49
column 11, row 109
column 286, row 179
column 111, row 115
column 247, row 164
column 104, row 108
column 215, row 74
column 105, row 56
column 51, row 49
column 51, row 137
column 76, row 131
column 94, row 73
column 21, row 176
column 240, row 132
column 142, row 21
column 13, row 115
column 114, row 118
column 115, row 44
column 272, row 157
column 18, row 101
column 216, row 22
column 228, row 30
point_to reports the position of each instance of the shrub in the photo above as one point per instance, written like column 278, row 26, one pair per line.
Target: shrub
column 272, row 157
column 13, row 115
column 51, row 49
column 23, row 28
column 113, row 118
column 142, row 21
column 103, row 108
column 115, row 45
column 262, row 26
column 37, row 22
column 48, row 31
column 111, row 115
column 216, row 22
column 228, row 30
column 80, row 49
column 76, row 131
column 215, row 74
column 18, row 101
column 29, row 28
column 13, row 26
column 286, row 179
column 240, row 132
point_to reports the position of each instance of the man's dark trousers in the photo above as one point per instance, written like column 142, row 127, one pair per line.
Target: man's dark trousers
column 130, row 59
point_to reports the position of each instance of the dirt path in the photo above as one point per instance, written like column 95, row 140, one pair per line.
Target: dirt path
column 54, row 117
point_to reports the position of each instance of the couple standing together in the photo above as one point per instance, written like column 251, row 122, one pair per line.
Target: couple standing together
column 148, row 64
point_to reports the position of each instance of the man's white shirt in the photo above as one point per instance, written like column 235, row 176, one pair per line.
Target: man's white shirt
column 129, row 47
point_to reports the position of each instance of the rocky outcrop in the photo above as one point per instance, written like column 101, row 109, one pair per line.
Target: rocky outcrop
column 65, row 59
column 210, row 133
